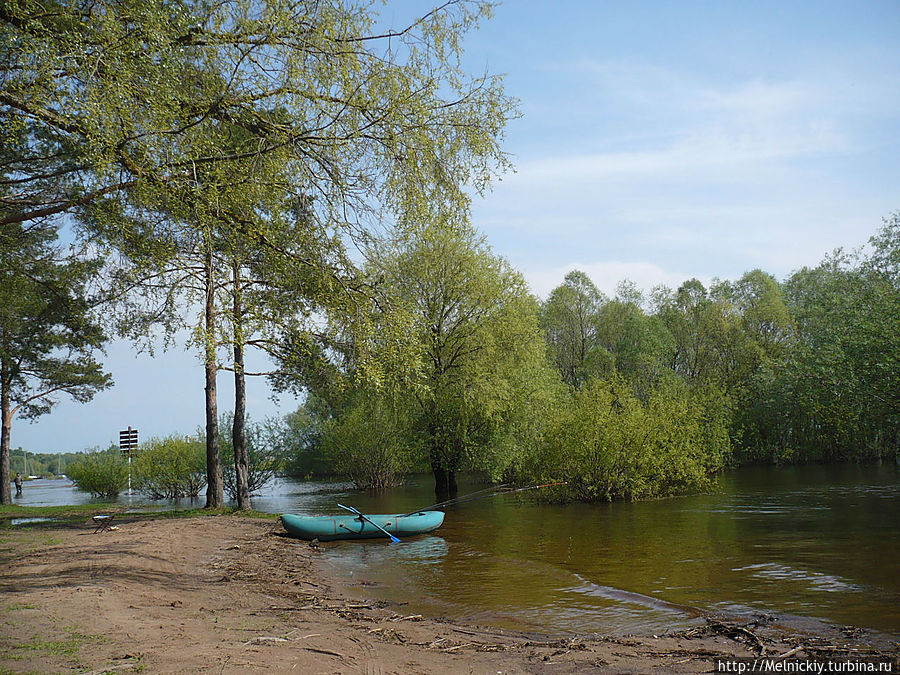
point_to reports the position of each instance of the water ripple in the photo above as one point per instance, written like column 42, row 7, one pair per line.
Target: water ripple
column 815, row 581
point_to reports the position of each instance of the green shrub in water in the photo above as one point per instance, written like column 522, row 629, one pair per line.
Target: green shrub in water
column 103, row 473
column 609, row 443
column 367, row 443
column 171, row 467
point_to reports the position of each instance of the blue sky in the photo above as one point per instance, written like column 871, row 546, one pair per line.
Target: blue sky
column 661, row 141
column 658, row 141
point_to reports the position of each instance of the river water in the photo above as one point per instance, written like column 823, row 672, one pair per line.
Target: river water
column 814, row 546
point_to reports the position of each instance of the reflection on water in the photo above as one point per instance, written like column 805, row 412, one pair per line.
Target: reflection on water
column 805, row 544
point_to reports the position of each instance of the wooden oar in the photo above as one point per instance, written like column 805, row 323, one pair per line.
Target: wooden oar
column 374, row 524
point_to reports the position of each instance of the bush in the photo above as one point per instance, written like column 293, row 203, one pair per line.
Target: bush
column 367, row 443
column 610, row 444
column 172, row 467
column 103, row 473
column 302, row 440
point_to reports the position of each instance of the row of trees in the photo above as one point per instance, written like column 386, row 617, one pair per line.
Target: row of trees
column 217, row 164
column 633, row 396
column 45, row 464
column 175, row 466
column 467, row 385
column 649, row 396
column 808, row 367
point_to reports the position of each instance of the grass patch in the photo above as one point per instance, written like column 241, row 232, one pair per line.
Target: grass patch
column 203, row 512
column 66, row 647
column 258, row 514
column 16, row 606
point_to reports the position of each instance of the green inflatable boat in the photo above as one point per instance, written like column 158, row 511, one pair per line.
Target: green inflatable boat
column 329, row 528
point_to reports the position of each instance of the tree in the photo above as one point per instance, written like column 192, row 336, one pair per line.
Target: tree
column 697, row 326
column 113, row 99
column 48, row 336
column 570, row 321
column 845, row 400
column 267, row 447
column 757, row 336
column 638, row 344
column 475, row 332
column 275, row 290
column 302, row 439
column 139, row 115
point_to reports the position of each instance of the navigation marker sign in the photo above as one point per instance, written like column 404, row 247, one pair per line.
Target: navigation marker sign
column 128, row 441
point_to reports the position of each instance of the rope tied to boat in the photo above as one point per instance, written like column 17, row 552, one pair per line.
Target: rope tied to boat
column 493, row 491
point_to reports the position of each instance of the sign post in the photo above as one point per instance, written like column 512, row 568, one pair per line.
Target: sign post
column 128, row 442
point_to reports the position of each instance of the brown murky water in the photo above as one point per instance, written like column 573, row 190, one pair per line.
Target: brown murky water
column 809, row 545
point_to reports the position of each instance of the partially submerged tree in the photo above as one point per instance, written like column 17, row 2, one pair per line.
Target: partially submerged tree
column 474, row 329
column 48, row 336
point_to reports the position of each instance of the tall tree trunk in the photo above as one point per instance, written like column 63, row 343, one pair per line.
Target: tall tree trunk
column 445, row 486
column 239, row 435
column 441, row 482
column 443, row 462
column 215, row 484
column 452, row 487
column 6, row 417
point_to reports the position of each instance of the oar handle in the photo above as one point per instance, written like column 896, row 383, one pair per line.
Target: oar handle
column 371, row 522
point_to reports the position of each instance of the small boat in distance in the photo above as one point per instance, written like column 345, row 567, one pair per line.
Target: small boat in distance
column 329, row 528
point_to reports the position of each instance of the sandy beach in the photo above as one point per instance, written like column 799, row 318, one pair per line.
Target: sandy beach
column 229, row 594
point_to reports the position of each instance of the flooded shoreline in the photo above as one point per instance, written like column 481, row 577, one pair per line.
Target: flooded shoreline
column 814, row 547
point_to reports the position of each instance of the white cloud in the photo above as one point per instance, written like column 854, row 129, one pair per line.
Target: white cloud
column 606, row 275
column 715, row 178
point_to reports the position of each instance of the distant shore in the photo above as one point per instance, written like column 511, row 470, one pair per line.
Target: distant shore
column 227, row 594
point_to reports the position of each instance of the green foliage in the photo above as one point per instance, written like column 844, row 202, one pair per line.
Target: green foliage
column 807, row 368
column 369, row 442
column 473, row 350
column 571, row 321
column 839, row 390
column 643, row 403
column 637, row 344
column 703, row 330
column 171, row 467
column 303, row 429
column 609, row 444
column 131, row 97
column 102, row 473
